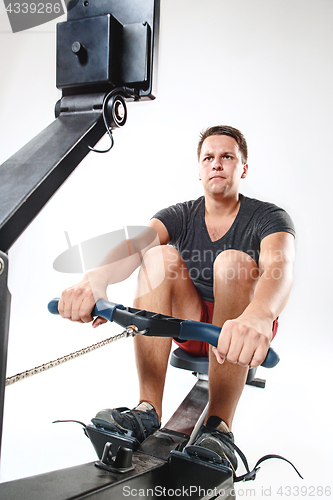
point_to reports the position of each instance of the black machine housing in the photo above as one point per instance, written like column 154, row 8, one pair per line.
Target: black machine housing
column 107, row 44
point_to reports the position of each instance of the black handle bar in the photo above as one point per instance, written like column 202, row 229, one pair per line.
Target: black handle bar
column 159, row 325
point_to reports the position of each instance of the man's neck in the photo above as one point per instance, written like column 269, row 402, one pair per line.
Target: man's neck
column 217, row 206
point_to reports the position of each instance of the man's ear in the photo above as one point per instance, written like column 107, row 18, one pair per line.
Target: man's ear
column 245, row 170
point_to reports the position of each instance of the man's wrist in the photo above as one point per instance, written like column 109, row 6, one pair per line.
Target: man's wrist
column 261, row 311
column 261, row 322
column 97, row 279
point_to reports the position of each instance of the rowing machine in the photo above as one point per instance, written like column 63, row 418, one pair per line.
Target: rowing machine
column 188, row 466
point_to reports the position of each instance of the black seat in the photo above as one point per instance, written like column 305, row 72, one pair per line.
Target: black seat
column 182, row 359
column 199, row 366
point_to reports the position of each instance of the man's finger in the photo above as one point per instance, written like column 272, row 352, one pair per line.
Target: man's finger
column 219, row 359
column 246, row 355
column 224, row 342
column 259, row 355
column 98, row 321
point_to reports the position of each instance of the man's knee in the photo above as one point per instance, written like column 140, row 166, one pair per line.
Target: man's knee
column 235, row 266
column 162, row 256
column 159, row 263
column 152, row 271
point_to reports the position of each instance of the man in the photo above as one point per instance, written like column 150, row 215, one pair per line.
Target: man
column 226, row 259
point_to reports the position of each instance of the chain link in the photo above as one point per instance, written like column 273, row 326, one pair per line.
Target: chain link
column 128, row 332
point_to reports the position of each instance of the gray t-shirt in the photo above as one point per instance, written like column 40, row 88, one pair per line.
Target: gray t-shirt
column 185, row 223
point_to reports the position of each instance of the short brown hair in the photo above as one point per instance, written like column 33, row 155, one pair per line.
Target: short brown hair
column 225, row 130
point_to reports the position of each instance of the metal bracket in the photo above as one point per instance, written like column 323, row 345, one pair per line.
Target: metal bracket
column 121, row 462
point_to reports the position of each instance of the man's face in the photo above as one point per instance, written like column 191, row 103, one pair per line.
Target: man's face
column 221, row 166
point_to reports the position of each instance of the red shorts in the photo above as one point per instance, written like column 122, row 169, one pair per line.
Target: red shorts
column 198, row 348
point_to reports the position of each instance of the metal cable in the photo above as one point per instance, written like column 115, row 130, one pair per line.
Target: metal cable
column 128, row 332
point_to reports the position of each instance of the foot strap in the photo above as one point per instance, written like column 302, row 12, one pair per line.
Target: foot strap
column 251, row 475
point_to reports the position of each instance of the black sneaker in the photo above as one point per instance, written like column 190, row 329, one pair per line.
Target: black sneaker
column 141, row 422
column 214, row 436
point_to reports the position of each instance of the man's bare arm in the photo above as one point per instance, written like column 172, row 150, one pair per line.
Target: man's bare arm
column 77, row 301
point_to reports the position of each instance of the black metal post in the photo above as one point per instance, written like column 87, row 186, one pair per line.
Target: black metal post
column 5, row 299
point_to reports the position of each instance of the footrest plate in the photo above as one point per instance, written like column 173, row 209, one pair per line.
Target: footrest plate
column 198, row 470
column 100, row 436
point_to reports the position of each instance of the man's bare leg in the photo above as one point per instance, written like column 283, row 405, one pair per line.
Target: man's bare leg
column 235, row 278
column 175, row 296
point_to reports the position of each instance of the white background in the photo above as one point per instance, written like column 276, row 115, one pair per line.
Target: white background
column 263, row 66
